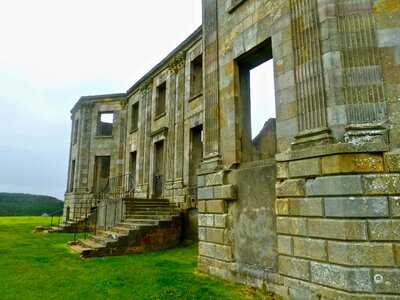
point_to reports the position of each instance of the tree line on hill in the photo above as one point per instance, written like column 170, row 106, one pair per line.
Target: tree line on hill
column 17, row 204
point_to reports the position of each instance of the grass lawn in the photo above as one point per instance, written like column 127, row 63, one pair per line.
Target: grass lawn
column 40, row 266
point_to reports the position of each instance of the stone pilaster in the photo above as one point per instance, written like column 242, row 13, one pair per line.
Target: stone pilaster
column 211, row 81
column 179, row 128
column 84, row 147
column 308, row 66
column 145, row 133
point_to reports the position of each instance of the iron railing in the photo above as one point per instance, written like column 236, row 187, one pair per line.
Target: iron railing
column 116, row 189
column 58, row 215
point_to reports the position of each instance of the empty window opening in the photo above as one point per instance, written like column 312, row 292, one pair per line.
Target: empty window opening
column 196, row 153
column 132, row 165
column 72, row 177
column 158, row 168
column 196, row 78
column 76, row 127
column 262, row 96
column 160, row 99
column 135, row 116
column 101, row 172
column 257, row 104
column 105, row 123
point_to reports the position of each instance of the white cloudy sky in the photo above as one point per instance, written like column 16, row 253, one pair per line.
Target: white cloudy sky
column 54, row 51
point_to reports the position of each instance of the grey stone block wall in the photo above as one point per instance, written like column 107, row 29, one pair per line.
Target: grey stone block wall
column 321, row 220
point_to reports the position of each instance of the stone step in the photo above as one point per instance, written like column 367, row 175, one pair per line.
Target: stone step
column 121, row 229
column 141, row 221
column 130, row 226
column 90, row 244
column 98, row 239
column 110, row 234
column 162, row 203
column 137, row 233
column 149, row 217
column 153, row 212
column 146, row 206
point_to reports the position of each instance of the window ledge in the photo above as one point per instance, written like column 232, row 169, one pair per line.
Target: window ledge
column 134, row 130
column 194, row 97
column 160, row 116
column 233, row 4
column 103, row 136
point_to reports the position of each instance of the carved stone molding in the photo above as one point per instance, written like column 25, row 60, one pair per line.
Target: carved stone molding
column 177, row 62
column 146, row 87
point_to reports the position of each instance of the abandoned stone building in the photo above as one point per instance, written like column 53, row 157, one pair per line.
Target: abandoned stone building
column 310, row 208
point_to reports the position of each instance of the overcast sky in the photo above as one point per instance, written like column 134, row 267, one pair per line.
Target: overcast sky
column 54, row 51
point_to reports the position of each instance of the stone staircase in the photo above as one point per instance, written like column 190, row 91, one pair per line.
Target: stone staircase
column 150, row 225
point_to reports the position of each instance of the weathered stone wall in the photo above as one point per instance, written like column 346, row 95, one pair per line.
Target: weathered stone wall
column 320, row 219
column 183, row 111
column 336, row 67
column 88, row 145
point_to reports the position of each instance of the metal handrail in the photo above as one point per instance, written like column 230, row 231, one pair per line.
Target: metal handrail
column 52, row 216
column 117, row 187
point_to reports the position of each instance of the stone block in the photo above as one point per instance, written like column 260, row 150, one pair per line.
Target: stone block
column 227, row 191
column 206, row 220
column 223, row 252
column 216, row 206
column 387, row 281
column 290, row 188
column 282, row 207
column 355, row 207
column 392, row 161
column 338, row 229
column 396, row 251
column 221, row 221
column 386, row 6
column 306, row 207
column 384, row 230
column 205, row 193
column 202, row 234
column 207, row 249
column 384, row 184
column 215, row 235
column 361, row 254
column 282, row 170
column 201, row 180
column 285, row 244
column 201, row 206
column 221, row 273
column 292, row 226
column 394, row 206
column 215, row 178
column 310, row 248
column 294, row 267
column 343, row 278
column 334, row 185
column 352, row 163
column 388, row 37
column 305, row 168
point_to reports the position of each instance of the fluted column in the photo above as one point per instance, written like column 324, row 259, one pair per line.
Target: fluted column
column 309, row 76
column 211, row 80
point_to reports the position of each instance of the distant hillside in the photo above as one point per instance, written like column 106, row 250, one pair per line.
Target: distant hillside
column 14, row 204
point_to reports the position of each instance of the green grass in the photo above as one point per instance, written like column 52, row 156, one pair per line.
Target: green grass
column 40, row 266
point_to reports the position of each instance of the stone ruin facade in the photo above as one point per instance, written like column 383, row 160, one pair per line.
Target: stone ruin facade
column 310, row 209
